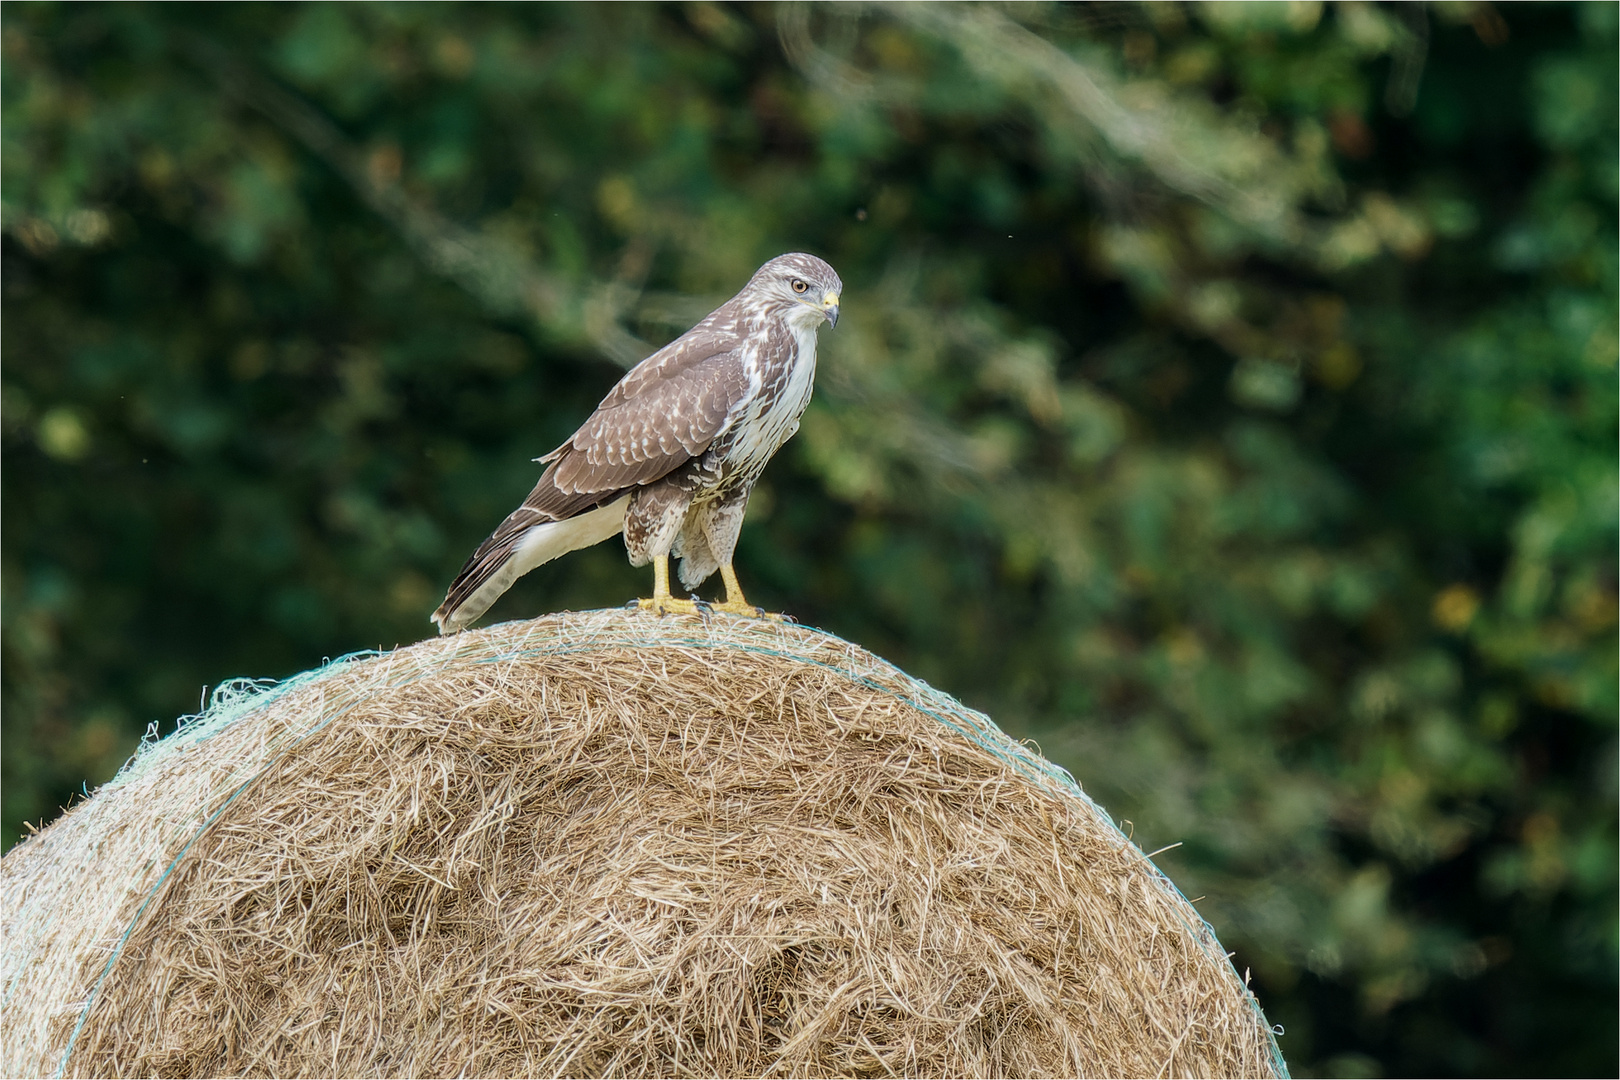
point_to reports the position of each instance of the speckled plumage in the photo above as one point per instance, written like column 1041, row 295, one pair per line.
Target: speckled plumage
column 672, row 453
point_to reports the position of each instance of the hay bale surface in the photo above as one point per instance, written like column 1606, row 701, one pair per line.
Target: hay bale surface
column 606, row 844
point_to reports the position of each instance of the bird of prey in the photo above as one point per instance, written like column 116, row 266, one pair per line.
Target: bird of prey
column 671, row 454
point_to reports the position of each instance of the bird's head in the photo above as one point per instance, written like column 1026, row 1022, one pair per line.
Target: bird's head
column 803, row 287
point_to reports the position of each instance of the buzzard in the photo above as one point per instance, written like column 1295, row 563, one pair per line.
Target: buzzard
column 671, row 454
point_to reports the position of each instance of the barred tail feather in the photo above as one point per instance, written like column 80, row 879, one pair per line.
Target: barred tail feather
column 514, row 550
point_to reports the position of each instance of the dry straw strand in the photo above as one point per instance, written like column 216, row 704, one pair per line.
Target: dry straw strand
column 606, row 843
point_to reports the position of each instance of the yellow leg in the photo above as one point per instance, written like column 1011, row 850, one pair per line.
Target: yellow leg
column 661, row 578
column 662, row 602
column 737, row 604
column 734, row 593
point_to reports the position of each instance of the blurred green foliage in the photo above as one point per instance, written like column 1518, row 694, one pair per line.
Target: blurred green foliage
column 1225, row 397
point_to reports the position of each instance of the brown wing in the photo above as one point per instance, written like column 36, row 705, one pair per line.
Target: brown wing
column 665, row 412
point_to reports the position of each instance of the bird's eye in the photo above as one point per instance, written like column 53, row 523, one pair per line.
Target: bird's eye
column 799, row 286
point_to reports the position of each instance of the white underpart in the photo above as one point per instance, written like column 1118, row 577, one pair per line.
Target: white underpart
column 545, row 542
column 539, row 545
column 761, row 431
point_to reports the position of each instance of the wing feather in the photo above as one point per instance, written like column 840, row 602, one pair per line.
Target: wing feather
column 660, row 416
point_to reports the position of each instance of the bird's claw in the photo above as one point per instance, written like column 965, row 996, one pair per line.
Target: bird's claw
column 749, row 611
column 669, row 605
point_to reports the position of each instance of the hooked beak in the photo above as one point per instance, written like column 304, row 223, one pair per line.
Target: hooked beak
column 829, row 308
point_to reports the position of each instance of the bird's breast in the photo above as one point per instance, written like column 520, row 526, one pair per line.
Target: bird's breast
column 782, row 376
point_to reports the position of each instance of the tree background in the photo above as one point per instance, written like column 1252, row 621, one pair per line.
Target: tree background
column 1225, row 397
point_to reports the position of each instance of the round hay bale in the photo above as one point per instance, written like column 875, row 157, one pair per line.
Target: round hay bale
column 606, row 844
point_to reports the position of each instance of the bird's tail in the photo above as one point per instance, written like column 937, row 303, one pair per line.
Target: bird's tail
column 526, row 539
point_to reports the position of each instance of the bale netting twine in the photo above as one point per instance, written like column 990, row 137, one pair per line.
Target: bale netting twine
column 606, row 844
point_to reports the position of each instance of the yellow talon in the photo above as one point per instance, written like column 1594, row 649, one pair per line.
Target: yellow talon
column 662, row 602
column 735, row 602
column 670, row 605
